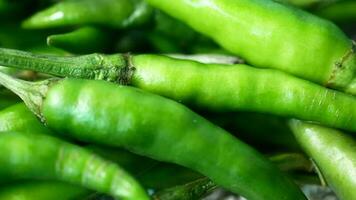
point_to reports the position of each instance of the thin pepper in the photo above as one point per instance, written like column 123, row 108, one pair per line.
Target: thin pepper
column 333, row 152
column 111, row 13
column 45, row 157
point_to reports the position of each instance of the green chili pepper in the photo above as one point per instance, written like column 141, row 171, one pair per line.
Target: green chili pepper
column 42, row 190
column 343, row 11
column 130, row 118
column 269, row 34
column 41, row 156
column 199, row 188
column 334, row 154
column 83, row 40
column 110, row 13
column 222, row 88
column 149, row 172
column 18, row 118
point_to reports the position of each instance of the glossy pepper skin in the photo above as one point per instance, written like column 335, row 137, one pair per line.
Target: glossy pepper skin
column 214, row 87
column 130, row 118
column 334, row 154
column 150, row 173
column 269, row 34
column 18, row 118
column 110, row 13
column 46, row 157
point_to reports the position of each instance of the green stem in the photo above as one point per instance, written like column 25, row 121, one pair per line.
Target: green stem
column 32, row 93
column 92, row 66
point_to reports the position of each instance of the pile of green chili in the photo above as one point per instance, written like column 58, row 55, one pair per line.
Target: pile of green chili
column 177, row 100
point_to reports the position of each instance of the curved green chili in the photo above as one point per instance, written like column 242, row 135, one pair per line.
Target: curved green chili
column 42, row 190
column 222, row 88
column 343, row 11
column 18, row 118
column 269, row 34
column 150, row 173
column 130, row 118
column 199, row 188
column 40, row 156
column 86, row 39
column 334, row 154
column 111, row 13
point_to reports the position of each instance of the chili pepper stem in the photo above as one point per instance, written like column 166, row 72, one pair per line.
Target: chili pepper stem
column 32, row 93
column 113, row 68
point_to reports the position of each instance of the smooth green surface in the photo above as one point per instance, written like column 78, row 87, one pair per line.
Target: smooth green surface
column 170, row 132
column 86, row 39
column 269, row 34
column 19, row 118
column 41, row 190
column 334, row 154
column 45, row 157
column 111, row 13
column 150, row 173
column 227, row 88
